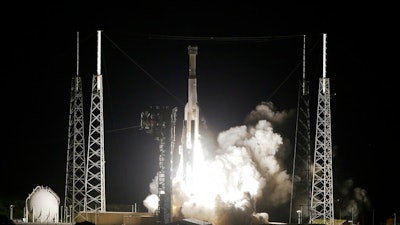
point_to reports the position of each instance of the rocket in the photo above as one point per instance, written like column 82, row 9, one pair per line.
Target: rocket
column 190, row 131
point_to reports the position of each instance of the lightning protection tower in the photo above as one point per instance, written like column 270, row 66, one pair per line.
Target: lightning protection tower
column 75, row 171
column 301, row 173
column 322, row 211
column 95, row 171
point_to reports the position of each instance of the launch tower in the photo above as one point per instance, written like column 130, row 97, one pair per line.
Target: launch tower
column 160, row 121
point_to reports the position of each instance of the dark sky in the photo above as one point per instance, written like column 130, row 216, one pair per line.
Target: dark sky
column 145, row 63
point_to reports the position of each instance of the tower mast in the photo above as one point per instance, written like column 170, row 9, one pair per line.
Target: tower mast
column 95, row 173
column 322, row 210
column 75, row 167
column 301, row 174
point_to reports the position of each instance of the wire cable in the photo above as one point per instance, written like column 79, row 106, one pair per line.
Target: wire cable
column 147, row 73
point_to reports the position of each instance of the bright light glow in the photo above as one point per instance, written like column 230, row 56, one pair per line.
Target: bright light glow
column 151, row 203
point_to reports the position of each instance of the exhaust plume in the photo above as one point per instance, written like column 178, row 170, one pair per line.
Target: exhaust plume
column 243, row 173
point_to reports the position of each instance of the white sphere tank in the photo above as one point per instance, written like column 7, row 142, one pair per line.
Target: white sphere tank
column 42, row 205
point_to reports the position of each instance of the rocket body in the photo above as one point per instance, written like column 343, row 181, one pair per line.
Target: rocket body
column 190, row 132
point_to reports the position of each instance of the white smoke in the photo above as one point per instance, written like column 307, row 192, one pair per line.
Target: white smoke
column 243, row 172
column 151, row 202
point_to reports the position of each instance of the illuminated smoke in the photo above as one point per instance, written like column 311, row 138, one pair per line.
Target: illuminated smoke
column 151, row 201
column 243, row 172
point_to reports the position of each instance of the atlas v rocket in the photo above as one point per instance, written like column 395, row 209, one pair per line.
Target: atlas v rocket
column 190, row 131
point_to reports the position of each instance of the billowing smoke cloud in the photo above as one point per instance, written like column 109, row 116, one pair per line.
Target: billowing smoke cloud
column 243, row 171
column 267, row 111
column 151, row 201
column 281, row 121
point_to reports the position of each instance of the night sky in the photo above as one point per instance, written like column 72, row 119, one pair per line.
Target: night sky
column 248, row 54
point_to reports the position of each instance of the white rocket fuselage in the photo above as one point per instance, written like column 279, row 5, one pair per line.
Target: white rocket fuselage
column 190, row 133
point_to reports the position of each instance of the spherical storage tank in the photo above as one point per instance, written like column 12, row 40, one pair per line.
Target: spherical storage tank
column 42, row 205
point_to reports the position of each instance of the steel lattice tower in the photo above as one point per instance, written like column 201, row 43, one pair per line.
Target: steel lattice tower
column 322, row 210
column 75, row 171
column 301, row 173
column 95, row 172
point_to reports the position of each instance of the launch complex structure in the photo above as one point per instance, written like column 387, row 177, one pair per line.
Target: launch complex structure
column 85, row 170
column 312, row 191
column 85, row 175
